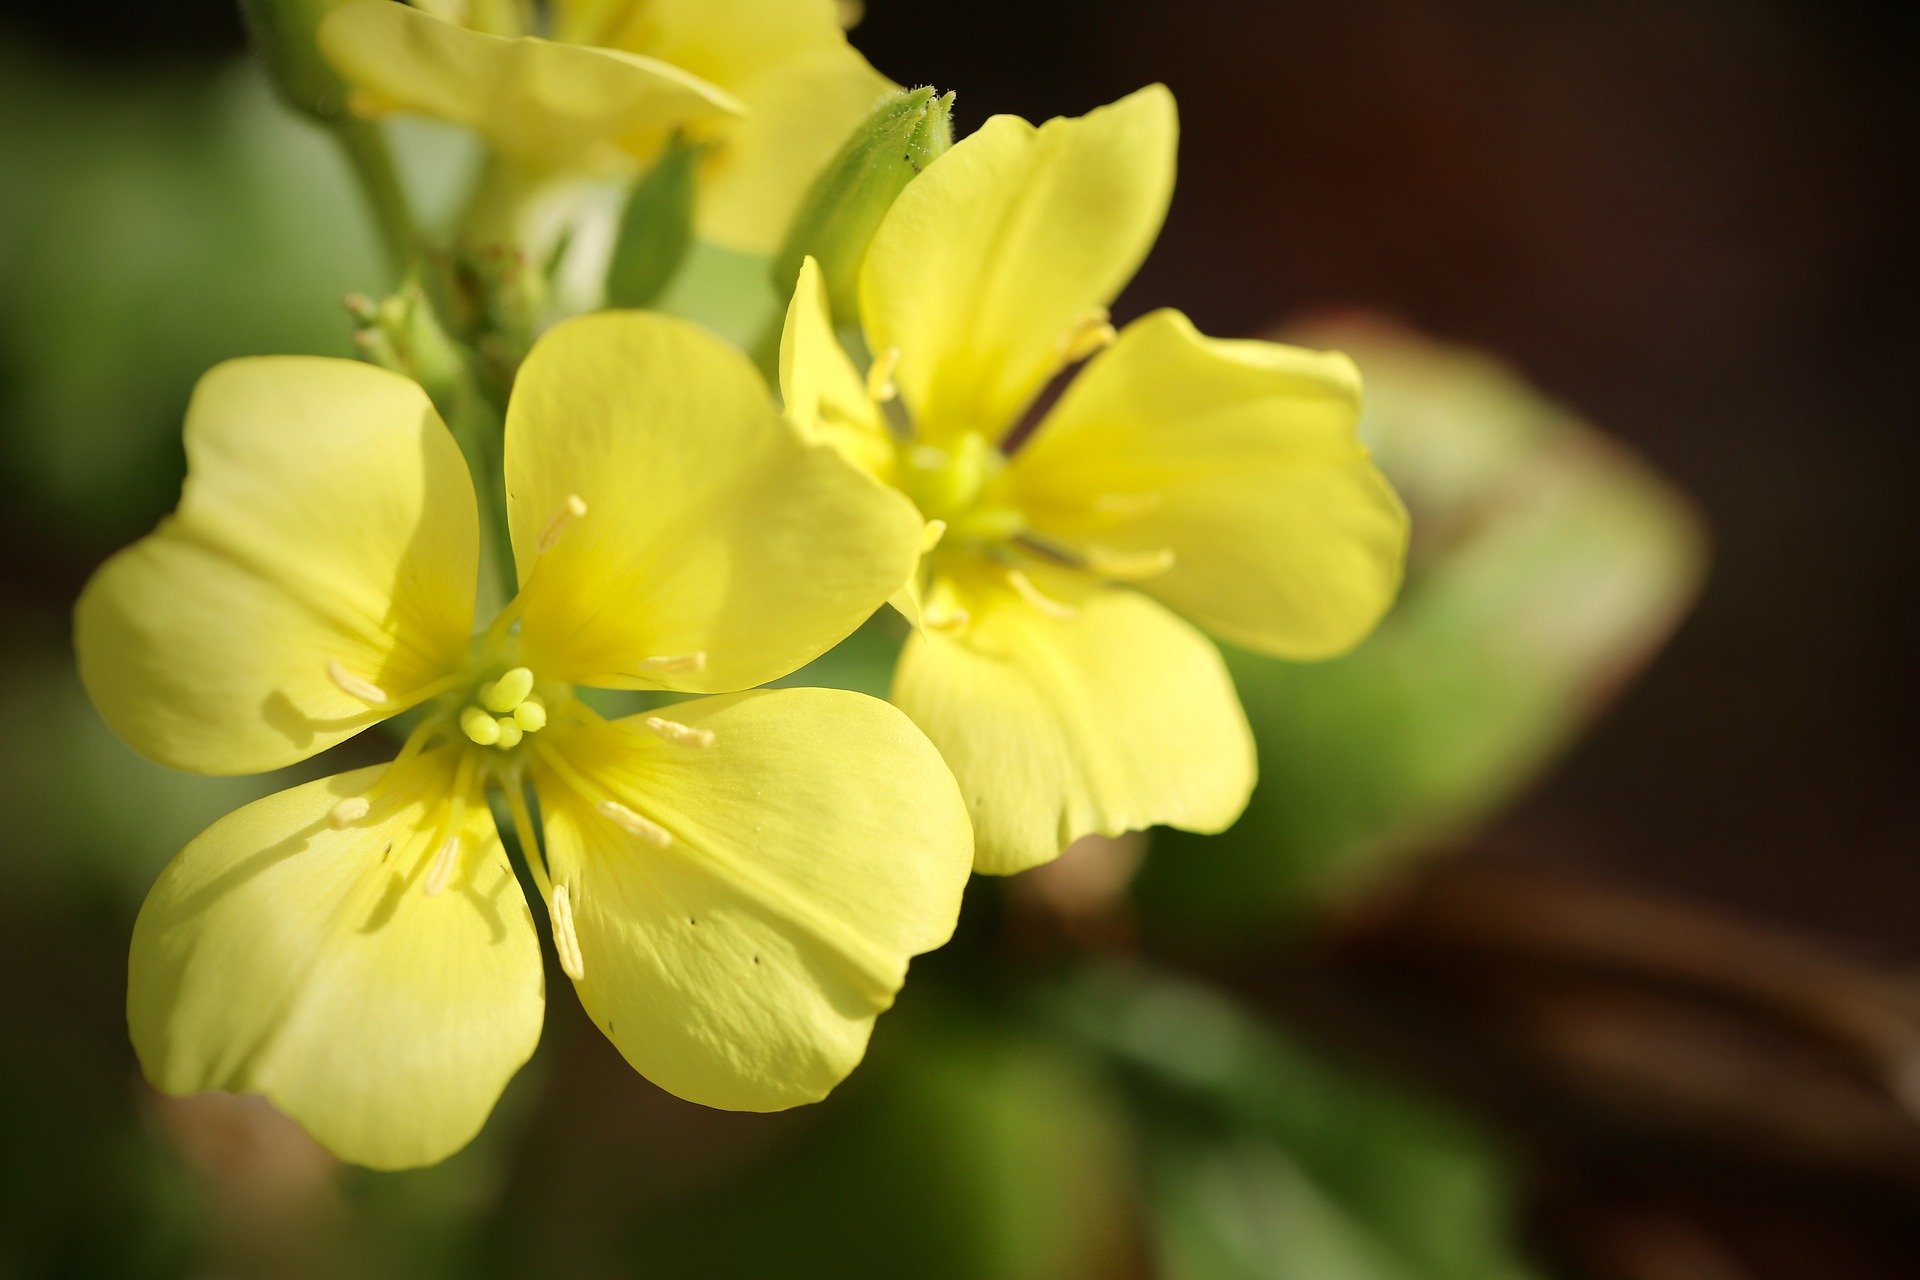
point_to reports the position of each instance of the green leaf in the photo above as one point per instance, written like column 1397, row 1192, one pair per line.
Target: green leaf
column 1548, row 563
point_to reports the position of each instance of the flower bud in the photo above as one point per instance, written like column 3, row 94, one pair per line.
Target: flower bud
column 283, row 32
column 905, row 134
column 656, row 229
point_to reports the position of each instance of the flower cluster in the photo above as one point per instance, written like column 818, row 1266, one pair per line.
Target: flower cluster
column 735, row 878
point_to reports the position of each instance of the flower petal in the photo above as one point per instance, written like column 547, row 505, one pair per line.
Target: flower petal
column 816, row 845
column 989, row 260
column 712, row 526
column 1239, row 458
column 277, row 955
column 1093, row 710
column 327, row 519
column 787, row 62
column 824, row 395
column 546, row 104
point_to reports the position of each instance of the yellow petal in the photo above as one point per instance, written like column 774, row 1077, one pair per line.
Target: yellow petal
column 277, row 955
column 1073, row 708
column 813, row 847
column 325, row 541
column 824, row 395
column 988, row 261
column 546, row 104
column 787, row 62
column 1240, row 459
column 711, row 526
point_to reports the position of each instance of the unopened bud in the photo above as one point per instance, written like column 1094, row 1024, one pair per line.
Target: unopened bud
column 656, row 229
column 904, row 135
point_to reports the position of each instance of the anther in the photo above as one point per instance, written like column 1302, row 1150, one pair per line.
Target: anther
column 931, row 535
column 353, row 686
column 635, row 825
column 680, row 735
column 945, row 619
column 510, row 733
column 1128, row 566
column 440, row 874
column 572, row 509
column 480, row 728
column 1024, row 588
column 565, row 941
column 1091, row 331
column 348, row 812
column 676, row 662
column 531, row 715
column 508, row 692
column 880, row 384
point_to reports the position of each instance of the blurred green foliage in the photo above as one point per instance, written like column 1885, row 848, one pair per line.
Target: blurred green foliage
column 1547, row 564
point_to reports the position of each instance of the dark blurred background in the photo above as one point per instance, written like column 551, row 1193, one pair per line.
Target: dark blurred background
column 1692, row 222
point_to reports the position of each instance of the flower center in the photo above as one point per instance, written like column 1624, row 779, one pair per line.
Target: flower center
column 957, row 486
column 503, row 711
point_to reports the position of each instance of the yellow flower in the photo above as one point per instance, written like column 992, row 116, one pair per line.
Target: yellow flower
column 735, row 885
column 771, row 86
column 1177, row 474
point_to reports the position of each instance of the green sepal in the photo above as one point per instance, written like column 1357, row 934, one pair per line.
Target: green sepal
column 656, row 228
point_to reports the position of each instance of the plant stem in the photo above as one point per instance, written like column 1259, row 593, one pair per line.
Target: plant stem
column 372, row 163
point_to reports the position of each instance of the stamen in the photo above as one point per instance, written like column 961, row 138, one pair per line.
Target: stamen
column 931, row 535
column 482, row 729
column 945, row 619
column 635, row 825
column 510, row 733
column 348, row 812
column 565, row 941
column 680, row 735
column 880, row 384
column 571, row 510
column 508, row 692
column 677, row 662
column 531, row 715
column 1128, row 566
column 1091, row 331
column 440, row 874
column 1024, row 588
column 353, row 686
column 1129, row 504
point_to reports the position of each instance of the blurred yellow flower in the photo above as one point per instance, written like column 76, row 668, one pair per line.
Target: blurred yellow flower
column 735, row 885
column 771, row 87
column 1219, row 479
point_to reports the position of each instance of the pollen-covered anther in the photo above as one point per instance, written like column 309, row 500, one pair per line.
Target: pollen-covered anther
column 440, row 874
column 481, row 729
column 354, row 686
column 348, row 812
column 633, row 824
column 565, row 941
column 1092, row 330
column 509, row 691
column 531, row 715
column 680, row 735
column 881, row 387
column 1128, row 566
column 570, row 510
column 1023, row 587
column 510, row 733
column 946, row 619
column 676, row 663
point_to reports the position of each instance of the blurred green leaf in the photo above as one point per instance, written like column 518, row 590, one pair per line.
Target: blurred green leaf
column 959, row 1152
column 1547, row 564
column 1264, row 1162
column 153, row 225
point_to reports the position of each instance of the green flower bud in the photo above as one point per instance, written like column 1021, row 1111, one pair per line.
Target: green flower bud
column 283, row 32
column 836, row 221
column 656, row 229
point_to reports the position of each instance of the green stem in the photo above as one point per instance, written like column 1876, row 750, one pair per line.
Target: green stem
column 372, row 163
